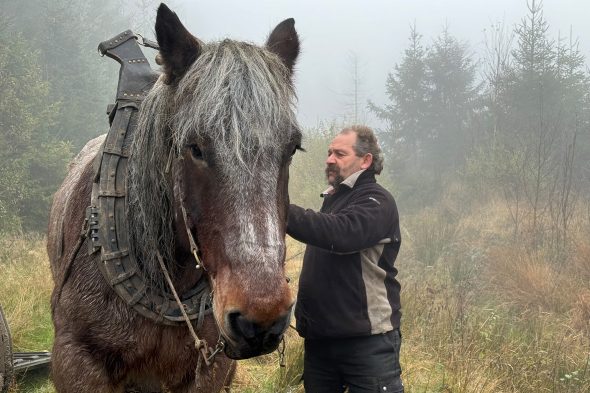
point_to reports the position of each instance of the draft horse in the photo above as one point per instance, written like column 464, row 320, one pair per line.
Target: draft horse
column 207, row 170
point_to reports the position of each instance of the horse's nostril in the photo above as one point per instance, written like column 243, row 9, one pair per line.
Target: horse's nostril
column 243, row 326
column 250, row 330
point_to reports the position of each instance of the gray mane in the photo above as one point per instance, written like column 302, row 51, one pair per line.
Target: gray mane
column 236, row 98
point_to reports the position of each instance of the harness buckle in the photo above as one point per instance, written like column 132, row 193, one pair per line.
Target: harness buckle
column 91, row 224
column 147, row 42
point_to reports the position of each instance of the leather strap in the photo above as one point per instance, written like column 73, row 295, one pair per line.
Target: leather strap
column 107, row 212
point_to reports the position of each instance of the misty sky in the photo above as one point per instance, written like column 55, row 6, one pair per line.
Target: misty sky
column 375, row 31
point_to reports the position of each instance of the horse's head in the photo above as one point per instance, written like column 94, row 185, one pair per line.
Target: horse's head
column 225, row 113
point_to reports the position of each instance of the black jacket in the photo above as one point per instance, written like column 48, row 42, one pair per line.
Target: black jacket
column 347, row 285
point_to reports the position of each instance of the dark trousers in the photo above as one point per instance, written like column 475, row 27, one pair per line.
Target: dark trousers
column 367, row 364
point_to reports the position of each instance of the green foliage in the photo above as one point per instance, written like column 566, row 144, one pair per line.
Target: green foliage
column 451, row 101
column 55, row 89
column 536, row 111
column 66, row 36
column 32, row 161
column 407, row 88
column 432, row 97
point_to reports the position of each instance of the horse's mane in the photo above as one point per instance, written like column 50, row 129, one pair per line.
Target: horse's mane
column 239, row 99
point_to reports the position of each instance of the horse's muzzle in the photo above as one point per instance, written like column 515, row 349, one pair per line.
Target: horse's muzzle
column 249, row 339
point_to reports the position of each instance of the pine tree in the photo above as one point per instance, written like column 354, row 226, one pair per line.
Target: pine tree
column 32, row 161
column 432, row 95
column 540, row 109
column 55, row 91
column 66, row 35
column 452, row 95
column 406, row 89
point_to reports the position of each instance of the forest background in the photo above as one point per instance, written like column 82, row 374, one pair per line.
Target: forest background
column 488, row 157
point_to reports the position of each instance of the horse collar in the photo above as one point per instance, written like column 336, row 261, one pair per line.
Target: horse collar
column 106, row 216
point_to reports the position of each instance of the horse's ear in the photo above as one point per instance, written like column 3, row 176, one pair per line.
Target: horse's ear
column 178, row 48
column 284, row 42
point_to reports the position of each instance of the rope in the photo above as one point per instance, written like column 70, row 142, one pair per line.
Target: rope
column 198, row 342
column 200, row 345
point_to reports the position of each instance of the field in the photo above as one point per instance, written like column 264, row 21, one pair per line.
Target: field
column 482, row 313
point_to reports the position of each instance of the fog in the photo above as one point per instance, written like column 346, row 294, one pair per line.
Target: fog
column 488, row 161
column 375, row 32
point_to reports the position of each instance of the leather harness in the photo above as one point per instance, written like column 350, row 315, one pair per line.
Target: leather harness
column 106, row 219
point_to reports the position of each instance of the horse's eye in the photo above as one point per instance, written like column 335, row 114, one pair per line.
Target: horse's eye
column 196, row 152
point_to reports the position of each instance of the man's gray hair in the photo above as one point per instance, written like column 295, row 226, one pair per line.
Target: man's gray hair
column 366, row 142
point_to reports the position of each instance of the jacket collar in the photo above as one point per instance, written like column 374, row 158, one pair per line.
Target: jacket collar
column 361, row 177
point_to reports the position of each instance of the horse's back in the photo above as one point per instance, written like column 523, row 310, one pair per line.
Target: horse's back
column 69, row 205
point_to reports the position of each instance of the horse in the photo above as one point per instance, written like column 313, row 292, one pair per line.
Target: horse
column 208, row 170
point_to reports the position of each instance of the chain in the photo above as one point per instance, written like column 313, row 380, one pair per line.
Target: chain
column 281, row 351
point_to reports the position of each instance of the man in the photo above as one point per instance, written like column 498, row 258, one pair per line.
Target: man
column 348, row 307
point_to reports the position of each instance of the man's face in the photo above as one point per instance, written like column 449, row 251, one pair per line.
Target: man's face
column 342, row 160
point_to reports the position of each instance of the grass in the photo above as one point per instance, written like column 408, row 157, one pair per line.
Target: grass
column 25, row 290
column 481, row 313
column 488, row 315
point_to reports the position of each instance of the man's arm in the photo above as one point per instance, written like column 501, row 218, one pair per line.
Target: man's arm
column 361, row 225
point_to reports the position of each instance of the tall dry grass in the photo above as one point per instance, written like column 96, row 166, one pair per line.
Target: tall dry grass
column 270, row 374
column 491, row 315
column 482, row 313
column 580, row 269
column 25, row 289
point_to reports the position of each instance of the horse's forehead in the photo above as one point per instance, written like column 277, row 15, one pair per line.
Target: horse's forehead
column 236, row 101
column 253, row 153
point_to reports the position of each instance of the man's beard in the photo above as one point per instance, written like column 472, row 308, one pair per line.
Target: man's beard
column 337, row 176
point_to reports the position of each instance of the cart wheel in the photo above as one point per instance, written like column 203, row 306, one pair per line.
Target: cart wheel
column 6, row 367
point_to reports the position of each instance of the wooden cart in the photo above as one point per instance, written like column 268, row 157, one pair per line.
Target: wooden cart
column 13, row 363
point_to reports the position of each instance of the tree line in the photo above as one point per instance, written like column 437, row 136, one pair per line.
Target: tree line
column 55, row 90
column 513, row 124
